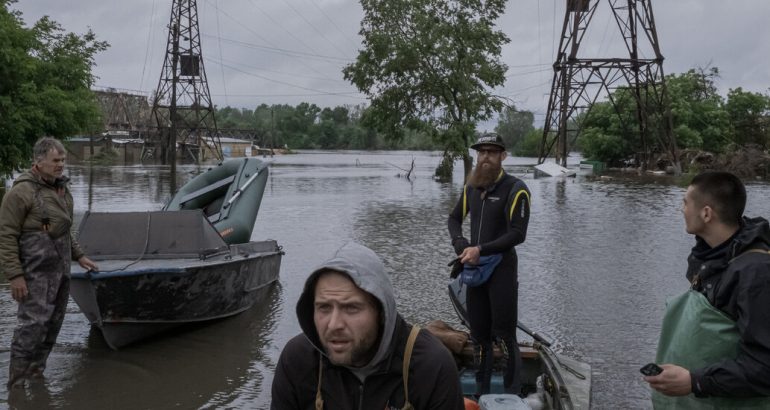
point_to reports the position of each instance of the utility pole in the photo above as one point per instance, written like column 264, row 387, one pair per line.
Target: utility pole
column 182, row 103
column 578, row 81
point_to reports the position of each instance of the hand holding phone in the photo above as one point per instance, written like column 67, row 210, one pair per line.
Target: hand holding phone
column 651, row 369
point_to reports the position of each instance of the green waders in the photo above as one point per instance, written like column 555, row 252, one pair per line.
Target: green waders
column 696, row 334
column 41, row 313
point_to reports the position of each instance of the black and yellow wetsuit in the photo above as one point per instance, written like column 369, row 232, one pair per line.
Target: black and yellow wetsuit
column 499, row 219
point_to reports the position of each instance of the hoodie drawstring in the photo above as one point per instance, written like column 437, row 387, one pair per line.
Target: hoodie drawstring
column 319, row 401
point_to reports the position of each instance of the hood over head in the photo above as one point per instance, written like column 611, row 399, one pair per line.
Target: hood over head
column 754, row 233
column 367, row 271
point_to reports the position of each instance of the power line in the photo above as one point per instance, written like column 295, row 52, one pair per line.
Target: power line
column 284, row 51
column 284, row 73
column 247, row 28
column 314, row 28
column 149, row 41
column 320, row 92
column 269, row 16
column 314, row 3
column 527, row 72
column 285, row 95
column 219, row 37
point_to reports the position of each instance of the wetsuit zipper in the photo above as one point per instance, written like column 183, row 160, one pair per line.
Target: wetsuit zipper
column 481, row 222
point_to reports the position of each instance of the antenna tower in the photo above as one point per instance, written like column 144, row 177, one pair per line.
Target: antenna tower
column 578, row 81
column 182, row 103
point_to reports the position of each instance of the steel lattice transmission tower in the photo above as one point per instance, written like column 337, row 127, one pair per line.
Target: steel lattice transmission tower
column 182, row 104
column 578, row 81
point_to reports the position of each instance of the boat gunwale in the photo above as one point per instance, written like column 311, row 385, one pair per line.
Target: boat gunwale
column 191, row 269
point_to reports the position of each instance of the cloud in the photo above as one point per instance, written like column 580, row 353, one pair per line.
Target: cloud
column 289, row 51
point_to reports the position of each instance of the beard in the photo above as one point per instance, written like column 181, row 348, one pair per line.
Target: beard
column 484, row 176
column 360, row 352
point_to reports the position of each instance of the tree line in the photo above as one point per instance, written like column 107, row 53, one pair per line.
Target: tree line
column 704, row 122
column 308, row 126
column 428, row 68
column 710, row 130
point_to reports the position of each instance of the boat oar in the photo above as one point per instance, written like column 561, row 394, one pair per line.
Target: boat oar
column 543, row 341
column 457, row 297
column 238, row 191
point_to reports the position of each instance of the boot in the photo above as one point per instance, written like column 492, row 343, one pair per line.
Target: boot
column 17, row 373
column 484, row 372
column 37, row 366
column 512, row 377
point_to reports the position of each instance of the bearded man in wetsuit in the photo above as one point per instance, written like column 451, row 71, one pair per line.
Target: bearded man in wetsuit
column 499, row 207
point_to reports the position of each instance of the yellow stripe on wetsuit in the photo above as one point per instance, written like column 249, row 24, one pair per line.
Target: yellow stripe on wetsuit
column 465, row 200
column 515, row 201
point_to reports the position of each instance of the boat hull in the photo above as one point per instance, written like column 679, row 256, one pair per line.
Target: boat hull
column 156, row 295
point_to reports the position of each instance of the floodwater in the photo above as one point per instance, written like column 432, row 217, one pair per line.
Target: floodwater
column 600, row 259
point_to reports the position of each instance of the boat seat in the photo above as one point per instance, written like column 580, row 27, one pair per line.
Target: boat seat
column 213, row 209
column 528, row 352
column 208, row 188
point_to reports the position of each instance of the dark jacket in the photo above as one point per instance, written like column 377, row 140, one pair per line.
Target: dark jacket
column 738, row 284
column 499, row 216
column 433, row 380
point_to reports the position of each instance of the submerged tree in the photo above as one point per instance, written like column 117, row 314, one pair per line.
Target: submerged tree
column 45, row 80
column 429, row 65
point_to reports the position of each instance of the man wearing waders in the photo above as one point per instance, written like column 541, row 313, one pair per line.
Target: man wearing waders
column 36, row 248
column 714, row 345
column 498, row 204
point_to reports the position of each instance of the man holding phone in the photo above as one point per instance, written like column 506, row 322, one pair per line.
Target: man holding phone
column 714, row 345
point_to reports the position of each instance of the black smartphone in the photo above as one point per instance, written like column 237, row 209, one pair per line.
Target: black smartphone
column 651, row 369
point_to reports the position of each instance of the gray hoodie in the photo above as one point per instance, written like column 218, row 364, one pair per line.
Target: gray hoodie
column 366, row 270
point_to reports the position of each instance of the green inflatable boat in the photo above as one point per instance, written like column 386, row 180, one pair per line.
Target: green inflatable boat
column 229, row 195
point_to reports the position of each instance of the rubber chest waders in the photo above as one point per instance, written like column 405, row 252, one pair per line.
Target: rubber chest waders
column 695, row 334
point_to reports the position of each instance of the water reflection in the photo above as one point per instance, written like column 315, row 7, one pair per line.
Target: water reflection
column 217, row 365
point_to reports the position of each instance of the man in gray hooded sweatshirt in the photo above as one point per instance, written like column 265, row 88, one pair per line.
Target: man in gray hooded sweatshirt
column 356, row 351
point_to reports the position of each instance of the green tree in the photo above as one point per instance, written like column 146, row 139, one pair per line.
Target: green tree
column 749, row 115
column 699, row 117
column 697, row 107
column 514, row 125
column 45, row 80
column 340, row 115
column 429, row 65
column 609, row 148
column 610, row 131
column 327, row 135
column 238, row 118
column 529, row 145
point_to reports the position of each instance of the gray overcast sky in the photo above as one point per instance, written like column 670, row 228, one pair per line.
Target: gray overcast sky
column 289, row 51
